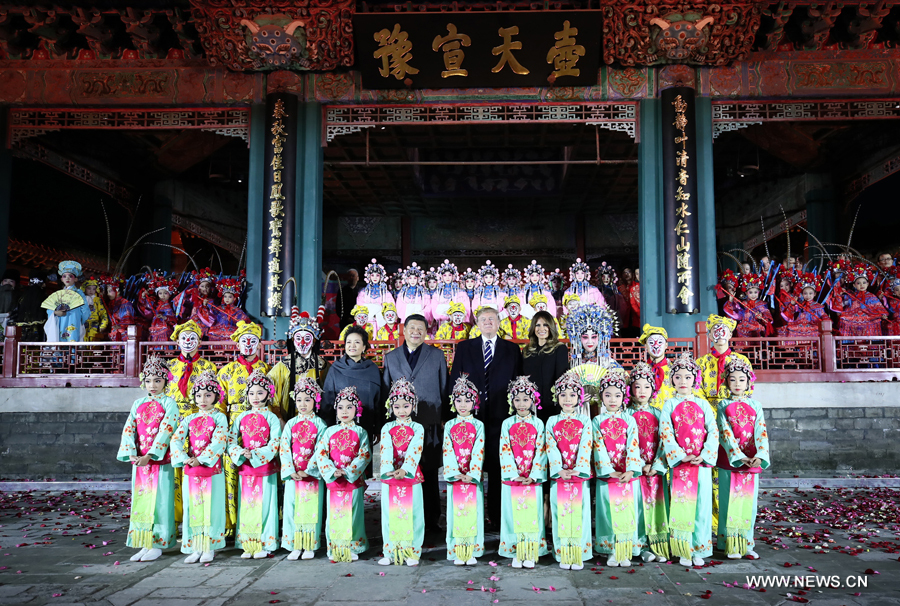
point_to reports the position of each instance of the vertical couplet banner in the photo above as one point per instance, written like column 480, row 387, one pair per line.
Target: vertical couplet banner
column 679, row 149
column 279, row 204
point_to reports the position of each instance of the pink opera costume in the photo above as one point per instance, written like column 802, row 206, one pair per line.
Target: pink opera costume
column 536, row 284
column 463, row 452
column 690, row 441
column 375, row 293
column 448, row 291
column 569, row 441
column 402, row 518
column 412, row 298
column 206, row 433
column 342, row 455
column 304, row 489
column 489, row 293
column 511, row 278
column 523, row 469
column 145, row 444
column 617, row 462
column 743, row 454
column 253, row 442
column 579, row 278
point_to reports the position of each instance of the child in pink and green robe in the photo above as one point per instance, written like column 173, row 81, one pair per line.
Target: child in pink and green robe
column 203, row 525
column 304, row 490
column 145, row 444
column 617, row 461
column 402, row 511
column 463, row 451
column 690, row 438
column 253, row 447
column 569, row 445
column 523, row 468
column 743, row 454
column 342, row 456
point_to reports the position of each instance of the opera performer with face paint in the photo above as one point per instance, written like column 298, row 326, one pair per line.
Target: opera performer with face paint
column 655, row 342
column 185, row 369
column 303, row 361
column 233, row 379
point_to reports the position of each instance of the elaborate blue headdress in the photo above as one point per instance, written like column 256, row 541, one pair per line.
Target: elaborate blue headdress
column 591, row 318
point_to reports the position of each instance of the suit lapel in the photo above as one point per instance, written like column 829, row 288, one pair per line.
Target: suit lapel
column 405, row 370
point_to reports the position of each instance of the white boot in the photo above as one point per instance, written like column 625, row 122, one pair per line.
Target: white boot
column 577, row 566
column 259, row 555
column 137, row 557
column 458, row 563
column 684, row 562
column 528, row 564
column 246, row 555
column 384, row 562
column 565, row 566
column 517, row 563
column 294, row 555
column 646, row 556
column 734, row 556
column 353, row 557
column 151, row 555
column 698, row 561
column 193, row 558
column 611, row 562
column 752, row 555
column 412, row 562
column 471, row 562
column 207, row 557
column 309, row 554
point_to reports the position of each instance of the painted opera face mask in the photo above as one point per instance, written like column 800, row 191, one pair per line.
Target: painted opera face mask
column 362, row 319
column 721, row 334
column 656, row 346
column 248, row 345
column 457, row 318
column 579, row 276
column 589, row 341
column 513, row 309
column 447, row 277
column 535, row 277
column 68, row 279
column 412, row 280
column 488, row 279
column 188, row 342
column 432, row 283
column 540, row 307
column 303, row 342
column 375, row 277
column 390, row 317
column 470, row 283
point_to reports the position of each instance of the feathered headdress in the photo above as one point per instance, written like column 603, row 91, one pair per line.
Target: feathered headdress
column 462, row 388
column 684, row 361
column 579, row 265
column 489, row 268
column 303, row 321
column 374, row 268
column 401, row 389
column 155, row 367
column 349, row 393
column 308, row 385
column 569, row 380
column 207, row 381
column 522, row 384
column 535, row 268
column 258, row 377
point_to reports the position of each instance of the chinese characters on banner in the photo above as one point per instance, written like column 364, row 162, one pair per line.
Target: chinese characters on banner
column 464, row 50
column 278, row 221
column 680, row 200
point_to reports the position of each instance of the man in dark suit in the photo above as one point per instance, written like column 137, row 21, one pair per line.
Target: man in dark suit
column 491, row 364
column 426, row 366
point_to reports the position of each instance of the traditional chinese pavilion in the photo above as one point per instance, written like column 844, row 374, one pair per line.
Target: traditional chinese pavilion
column 643, row 133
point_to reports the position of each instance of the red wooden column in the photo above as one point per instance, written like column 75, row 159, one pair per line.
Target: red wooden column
column 10, row 351
column 829, row 352
column 701, row 348
column 132, row 353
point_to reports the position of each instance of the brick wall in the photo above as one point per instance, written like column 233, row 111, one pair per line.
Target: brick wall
column 818, row 442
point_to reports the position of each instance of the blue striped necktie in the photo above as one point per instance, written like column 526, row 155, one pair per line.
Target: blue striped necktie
column 488, row 357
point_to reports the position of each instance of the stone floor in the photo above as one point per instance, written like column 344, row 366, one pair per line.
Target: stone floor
column 68, row 548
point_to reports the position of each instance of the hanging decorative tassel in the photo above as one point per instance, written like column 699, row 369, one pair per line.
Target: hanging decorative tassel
column 736, row 544
column 143, row 539
column 201, row 542
column 401, row 554
column 659, row 543
column 623, row 549
column 465, row 551
column 304, row 540
column 252, row 546
column 570, row 554
column 680, row 548
column 527, row 551
column 341, row 553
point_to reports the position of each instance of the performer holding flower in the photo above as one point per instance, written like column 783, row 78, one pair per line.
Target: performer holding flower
column 145, row 444
column 569, row 450
column 523, row 468
column 616, row 462
column 690, row 441
column 206, row 432
column 253, row 447
column 304, row 490
column 342, row 455
column 743, row 454
column 402, row 517
column 463, row 463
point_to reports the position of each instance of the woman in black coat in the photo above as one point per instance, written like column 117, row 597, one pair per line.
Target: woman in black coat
column 545, row 359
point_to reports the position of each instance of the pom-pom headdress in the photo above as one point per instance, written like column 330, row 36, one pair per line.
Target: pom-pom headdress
column 749, row 281
column 555, row 276
column 448, row 267
column 652, row 330
column 230, row 285
column 728, row 277
column 807, row 280
column 607, row 270
column 114, row 281
column 207, row 381
column 489, row 268
column 738, row 365
column 591, row 318
column 684, row 361
column 579, row 265
column 158, row 281
column 510, row 299
column 511, row 275
column 258, row 377
column 468, row 275
column 642, row 370
column 204, row 275
column 349, row 393
column 522, row 384
column 431, row 275
column 308, row 385
column 456, row 307
column 374, row 268
column 155, row 367
column 246, row 328
column 414, row 270
column 857, row 271
column 303, row 321
column 535, row 268
column 570, row 380
column 401, row 389
column 463, row 388
column 569, row 297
